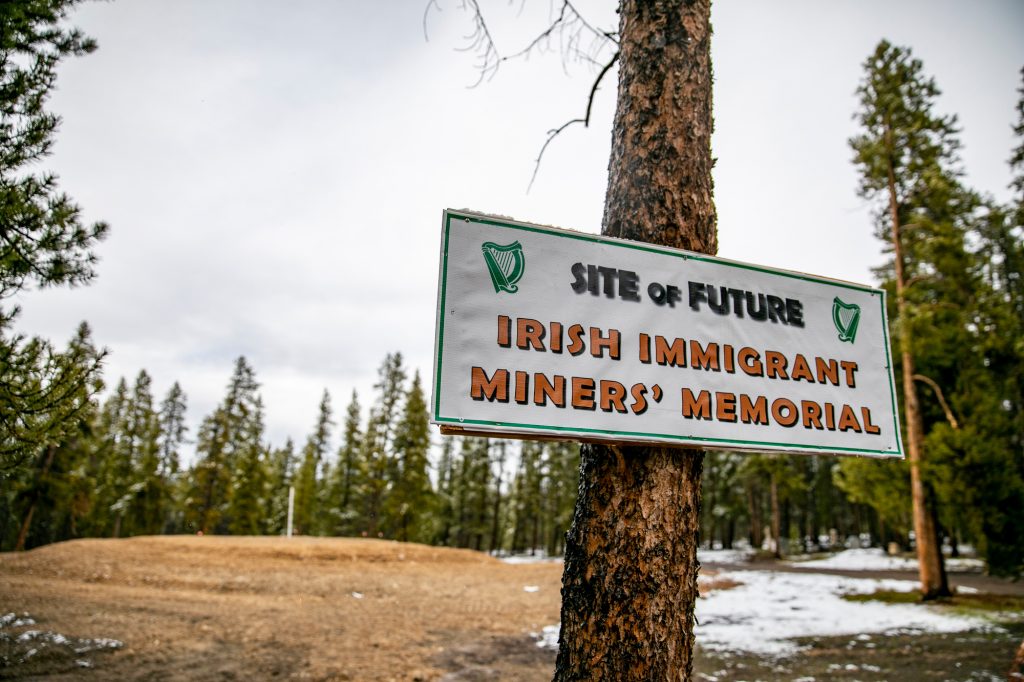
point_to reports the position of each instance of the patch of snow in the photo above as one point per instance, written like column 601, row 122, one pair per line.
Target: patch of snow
column 357, row 595
column 724, row 556
column 86, row 645
column 548, row 637
column 874, row 559
column 768, row 610
column 538, row 558
column 531, row 588
column 13, row 620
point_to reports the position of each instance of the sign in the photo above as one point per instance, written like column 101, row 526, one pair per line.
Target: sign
column 548, row 333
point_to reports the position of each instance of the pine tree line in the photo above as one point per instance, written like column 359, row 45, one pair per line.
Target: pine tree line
column 122, row 474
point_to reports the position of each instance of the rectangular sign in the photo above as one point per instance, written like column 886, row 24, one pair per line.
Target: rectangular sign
column 548, row 333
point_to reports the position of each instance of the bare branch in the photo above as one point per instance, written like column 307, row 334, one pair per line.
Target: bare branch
column 552, row 134
column 426, row 11
column 481, row 42
column 942, row 399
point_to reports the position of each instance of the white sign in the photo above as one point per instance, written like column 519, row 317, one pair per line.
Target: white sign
column 547, row 333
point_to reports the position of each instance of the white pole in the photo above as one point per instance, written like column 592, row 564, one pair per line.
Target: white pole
column 291, row 507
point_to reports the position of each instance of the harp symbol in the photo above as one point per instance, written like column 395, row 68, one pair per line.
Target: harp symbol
column 506, row 264
column 846, row 317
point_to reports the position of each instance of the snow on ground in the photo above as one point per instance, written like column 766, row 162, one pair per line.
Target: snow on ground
column 724, row 556
column 875, row 559
column 538, row 558
column 768, row 609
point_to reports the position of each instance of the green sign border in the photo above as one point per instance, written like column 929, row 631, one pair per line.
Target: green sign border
column 509, row 428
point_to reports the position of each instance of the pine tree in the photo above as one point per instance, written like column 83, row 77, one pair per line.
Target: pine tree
column 446, row 480
column 51, row 497
column 43, row 243
column 247, row 508
column 113, row 461
column 280, row 479
column 411, row 502
column 221, row 435
column 344, row 491
column 380, row 465
column 172, row 437
column 309, row 479
column 147, row 489
column 907, row 157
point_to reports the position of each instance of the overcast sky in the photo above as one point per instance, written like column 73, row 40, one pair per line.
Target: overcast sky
column 274, row 173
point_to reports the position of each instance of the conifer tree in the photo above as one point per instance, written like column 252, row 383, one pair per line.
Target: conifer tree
column 446, row 471
column 148, row 493
column 411, row 502
column 527, row 498
column 247, row 507
column 907, row 156
column 113, row 456
column 280, row 479
column 50, row 497
column 379, row 461
column 220, row 436
column 172, row 437
column 43, row 242
column 309, row 478
column 346, row 482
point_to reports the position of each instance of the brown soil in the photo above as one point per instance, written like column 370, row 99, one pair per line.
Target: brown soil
column 206, row 608
column 225, row 608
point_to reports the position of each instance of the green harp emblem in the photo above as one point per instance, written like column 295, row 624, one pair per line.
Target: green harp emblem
column 846, row 317
column 506, row 265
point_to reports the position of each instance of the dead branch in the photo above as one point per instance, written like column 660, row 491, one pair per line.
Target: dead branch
column 942, row 399
column 552, row 134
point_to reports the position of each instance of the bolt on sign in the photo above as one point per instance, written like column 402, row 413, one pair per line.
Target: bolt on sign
column 549, row 333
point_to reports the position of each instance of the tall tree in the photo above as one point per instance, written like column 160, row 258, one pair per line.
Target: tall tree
column 43, row 241
column 411, row 502
column 630, row 577
column 247, row 507
column 379, row 462
column 172, row 437
column 281, row 472
column 220, row 436
column 147, row 491
column 309, row 477
column 907, row 156
column 60, row 484
column 346, row 478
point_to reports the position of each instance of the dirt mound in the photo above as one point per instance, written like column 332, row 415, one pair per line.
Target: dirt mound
column 319, row 608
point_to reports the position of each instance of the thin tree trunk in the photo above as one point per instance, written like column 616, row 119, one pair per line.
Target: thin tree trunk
column 26, row 523
column 756, row 526
column 776, row 519
column 630, row 578
column 931, row 570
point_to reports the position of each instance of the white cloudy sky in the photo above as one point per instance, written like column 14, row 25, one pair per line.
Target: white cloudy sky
column 274, row 173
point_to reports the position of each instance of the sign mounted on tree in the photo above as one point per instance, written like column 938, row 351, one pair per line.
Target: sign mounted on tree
column 548, row 333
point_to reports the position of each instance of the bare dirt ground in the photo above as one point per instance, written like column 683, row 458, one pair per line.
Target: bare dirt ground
column 226, row 608
column 222, row 608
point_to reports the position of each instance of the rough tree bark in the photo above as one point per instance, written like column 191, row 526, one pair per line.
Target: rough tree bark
column 931, row 570
column 630, row 578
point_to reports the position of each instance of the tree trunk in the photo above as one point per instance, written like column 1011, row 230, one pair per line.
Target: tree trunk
column 26, row 523
column 756, row 526
column 776, row 519
column 630, row 577
column 931, row 570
